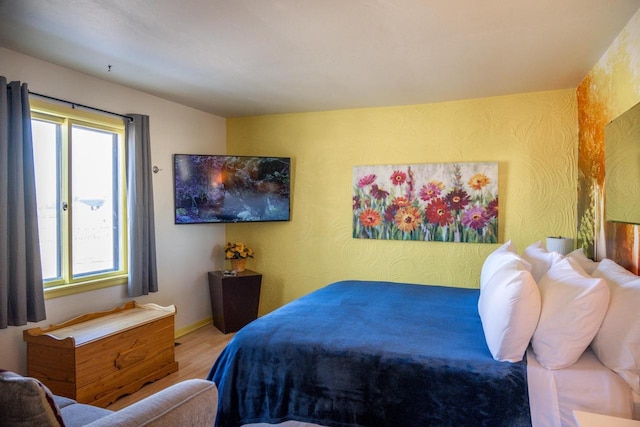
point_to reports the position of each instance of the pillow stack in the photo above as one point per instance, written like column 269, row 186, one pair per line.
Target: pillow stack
column 561, row 305
column 540, row 298
column 509, row 303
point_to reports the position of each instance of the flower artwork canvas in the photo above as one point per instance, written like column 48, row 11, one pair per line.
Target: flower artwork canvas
column 440, row 202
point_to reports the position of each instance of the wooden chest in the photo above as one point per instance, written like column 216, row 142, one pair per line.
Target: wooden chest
column 98, row 357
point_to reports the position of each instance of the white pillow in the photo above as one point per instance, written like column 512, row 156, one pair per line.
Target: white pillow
column 540, row 259
column 509, row 307
column 587, row 264
column 573, row 306
column 617, row 343
column 497, row 259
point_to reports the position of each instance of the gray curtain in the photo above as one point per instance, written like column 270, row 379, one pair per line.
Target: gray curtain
column 21, row 287
column 143, row 277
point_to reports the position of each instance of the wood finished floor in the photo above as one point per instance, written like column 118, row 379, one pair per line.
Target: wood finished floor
column 195, row 354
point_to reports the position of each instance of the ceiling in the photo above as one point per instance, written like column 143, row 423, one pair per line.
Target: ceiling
column 251, row 57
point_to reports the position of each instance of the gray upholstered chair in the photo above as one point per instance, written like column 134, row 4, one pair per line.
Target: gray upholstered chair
column 25, row 401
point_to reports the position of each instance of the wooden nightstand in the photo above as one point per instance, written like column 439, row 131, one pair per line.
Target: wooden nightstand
column 234, row 299
column 587, row 419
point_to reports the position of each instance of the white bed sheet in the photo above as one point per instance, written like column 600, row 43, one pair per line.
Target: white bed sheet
column 587, row 386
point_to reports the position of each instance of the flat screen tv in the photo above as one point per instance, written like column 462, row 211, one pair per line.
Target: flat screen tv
column 227, row 189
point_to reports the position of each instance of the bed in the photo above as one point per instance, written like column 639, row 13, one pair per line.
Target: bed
column 370, row 353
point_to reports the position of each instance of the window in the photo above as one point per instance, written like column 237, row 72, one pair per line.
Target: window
column 80, row 190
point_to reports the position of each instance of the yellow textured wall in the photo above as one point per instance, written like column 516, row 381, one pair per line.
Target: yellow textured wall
column 610, row 89
column 532, row 136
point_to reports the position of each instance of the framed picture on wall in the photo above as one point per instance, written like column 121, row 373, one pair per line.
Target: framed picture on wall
column 438, row 202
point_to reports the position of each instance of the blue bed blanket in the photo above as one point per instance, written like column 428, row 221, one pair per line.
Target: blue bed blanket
column 359, row 353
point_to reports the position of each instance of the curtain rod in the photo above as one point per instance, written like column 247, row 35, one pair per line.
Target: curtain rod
column 75, row 104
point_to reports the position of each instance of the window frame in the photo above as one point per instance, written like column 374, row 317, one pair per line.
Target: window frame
column 67, row 117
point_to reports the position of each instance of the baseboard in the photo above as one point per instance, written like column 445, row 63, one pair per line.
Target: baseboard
column 190, row 328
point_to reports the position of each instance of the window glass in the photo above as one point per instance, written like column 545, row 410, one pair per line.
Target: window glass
column 46, row 138
column 95, row 226
column 79, row 168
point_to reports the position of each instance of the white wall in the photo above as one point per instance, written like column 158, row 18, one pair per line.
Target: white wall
column 185, row 253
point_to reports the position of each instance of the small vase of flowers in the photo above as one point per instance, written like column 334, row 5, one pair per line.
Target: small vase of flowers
column 237, row 253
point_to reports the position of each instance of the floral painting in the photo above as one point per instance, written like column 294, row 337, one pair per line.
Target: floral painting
column 443, row 202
